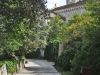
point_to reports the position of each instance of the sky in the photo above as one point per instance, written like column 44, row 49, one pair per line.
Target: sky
column 51, row 3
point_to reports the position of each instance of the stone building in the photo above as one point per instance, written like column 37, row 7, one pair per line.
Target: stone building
column 66, row 12
column 69, row 9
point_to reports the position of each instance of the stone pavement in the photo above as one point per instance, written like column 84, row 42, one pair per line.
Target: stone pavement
column 38, row 67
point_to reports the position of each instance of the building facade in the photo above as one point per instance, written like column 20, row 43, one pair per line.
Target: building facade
column 70, row 8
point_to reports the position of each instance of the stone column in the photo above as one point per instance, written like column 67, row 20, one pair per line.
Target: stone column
column 0, row 71
column 61, row 48
column 4, row 70
column 42, row 52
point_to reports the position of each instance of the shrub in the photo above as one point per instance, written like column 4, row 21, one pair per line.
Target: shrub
column 80, row 59
column 22, row 57
column 86, row 58
column 65, row 58
column 1, row 63
column 10, row 65
column 95, row 60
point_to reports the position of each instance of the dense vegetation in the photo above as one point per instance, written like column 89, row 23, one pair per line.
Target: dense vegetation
column 22, row 30
column 21, row 27
column 65, row 57
column 55, row 26
column 82, row 34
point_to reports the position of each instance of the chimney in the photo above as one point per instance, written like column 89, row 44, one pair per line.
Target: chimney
column 55, row 5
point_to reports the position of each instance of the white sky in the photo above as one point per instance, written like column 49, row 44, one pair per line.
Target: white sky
column 51, row 3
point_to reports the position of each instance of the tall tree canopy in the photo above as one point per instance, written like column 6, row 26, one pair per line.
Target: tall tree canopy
column 21, row 26
column 82, row 34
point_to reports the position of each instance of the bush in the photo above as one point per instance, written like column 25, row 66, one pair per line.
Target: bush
column 95, row 60
column 80, row 59
column 65, row 58
column 10, row 65
column 1, row 63
column 86, row 58
column 22, row 57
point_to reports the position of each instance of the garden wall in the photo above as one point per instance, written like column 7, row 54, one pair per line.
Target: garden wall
column 3, row 70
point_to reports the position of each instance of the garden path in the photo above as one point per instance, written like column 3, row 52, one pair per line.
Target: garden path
column 38, row 67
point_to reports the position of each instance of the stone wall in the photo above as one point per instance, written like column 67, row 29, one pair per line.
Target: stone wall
column 42, row 52
column 61, row 48
column 69, row 12
column 3, row 70
column 20, row 65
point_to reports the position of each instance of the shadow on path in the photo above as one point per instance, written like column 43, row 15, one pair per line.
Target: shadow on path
column 38, row 67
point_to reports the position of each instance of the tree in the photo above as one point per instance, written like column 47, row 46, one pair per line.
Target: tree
column 93, row 29
column 55, row 26
column 82, row 34
column 75, row 28
column 74, row 33
column 19, row 22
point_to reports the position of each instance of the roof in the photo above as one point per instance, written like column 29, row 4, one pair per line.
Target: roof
column 62, row 17
column 70, row 5
column 53, row 14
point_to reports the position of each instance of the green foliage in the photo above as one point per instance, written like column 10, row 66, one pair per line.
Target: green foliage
column 75, row 28
column 74, row 34
column 80, row 59
column 86, row 58
column 51, row 51
column 21, row 27
column 56, row 25
column 94, row 7
column 22, row 57
column 95, row 64
column 94, row 54
column 65, row 58
column 1, row 63
column 84, row 29
column 87, row 29
column 82, row 33
column 93, row 28
column 10, row 65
